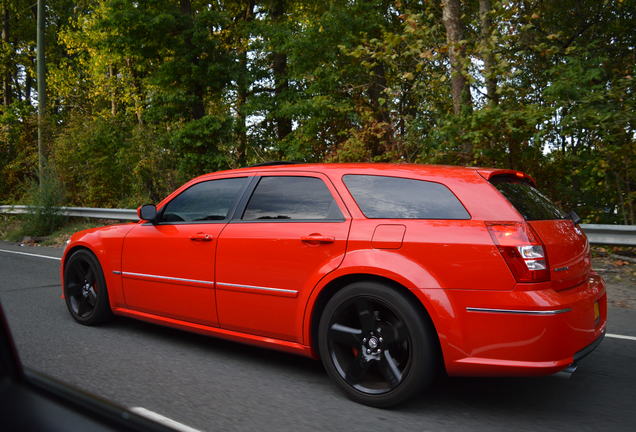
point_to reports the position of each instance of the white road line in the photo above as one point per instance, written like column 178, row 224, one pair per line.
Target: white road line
column 140, row 409
column 617, row 336
column 30, row 254
column 163, row 419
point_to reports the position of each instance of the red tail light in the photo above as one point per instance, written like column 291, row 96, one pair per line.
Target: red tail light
column 522, row 251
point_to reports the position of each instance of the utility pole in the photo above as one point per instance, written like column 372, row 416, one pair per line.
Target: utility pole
column 41, row 90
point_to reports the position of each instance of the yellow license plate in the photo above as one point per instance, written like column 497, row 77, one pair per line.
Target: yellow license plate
column 597, row 312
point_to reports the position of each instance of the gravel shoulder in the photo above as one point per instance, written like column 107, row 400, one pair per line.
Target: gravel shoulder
column 619, row 275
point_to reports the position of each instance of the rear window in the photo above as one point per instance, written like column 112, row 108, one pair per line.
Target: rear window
column 528, row 201
column 382, row 197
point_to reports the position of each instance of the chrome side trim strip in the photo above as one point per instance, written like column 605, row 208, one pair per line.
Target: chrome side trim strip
column 257, row 288
column 166, row 278
column 519, row 311
column 280, row 290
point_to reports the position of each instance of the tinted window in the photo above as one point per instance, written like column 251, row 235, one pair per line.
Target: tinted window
column 528, row 201
column 205, row 201
column 399, row 198
column 291, row 198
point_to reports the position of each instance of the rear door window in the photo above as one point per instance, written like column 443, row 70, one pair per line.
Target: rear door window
column 528, row 201
column 291, row 198
column 381, row 197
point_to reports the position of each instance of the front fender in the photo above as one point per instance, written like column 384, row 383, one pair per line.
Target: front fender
column 106, row 244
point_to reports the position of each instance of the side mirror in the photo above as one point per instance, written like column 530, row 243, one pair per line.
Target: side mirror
column 147, row 212
column 575, row 218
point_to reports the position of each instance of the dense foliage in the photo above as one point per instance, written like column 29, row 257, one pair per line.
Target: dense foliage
column 143, row 95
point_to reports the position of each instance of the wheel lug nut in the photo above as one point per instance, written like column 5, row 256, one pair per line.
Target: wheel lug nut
column 379, row 330
column 364, row 340
column 368, row 351
column 381, row 340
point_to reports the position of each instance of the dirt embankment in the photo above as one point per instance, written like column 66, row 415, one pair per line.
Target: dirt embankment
column 618, row 268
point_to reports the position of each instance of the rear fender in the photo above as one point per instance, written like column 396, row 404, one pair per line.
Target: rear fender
column 399, row 269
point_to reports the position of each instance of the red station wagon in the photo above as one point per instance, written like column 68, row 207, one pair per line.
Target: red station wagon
column 385, row 272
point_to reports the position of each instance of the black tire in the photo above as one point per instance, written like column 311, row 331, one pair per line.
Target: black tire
column 85, row 289
column 376, row 345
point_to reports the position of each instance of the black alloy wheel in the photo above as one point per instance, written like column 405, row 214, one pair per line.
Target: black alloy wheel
column 376, row 345
column 85, row 289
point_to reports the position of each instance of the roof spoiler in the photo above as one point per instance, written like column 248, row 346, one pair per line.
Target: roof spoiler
column 489, row 173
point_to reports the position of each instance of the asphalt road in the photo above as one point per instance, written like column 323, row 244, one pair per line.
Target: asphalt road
column 211, row 384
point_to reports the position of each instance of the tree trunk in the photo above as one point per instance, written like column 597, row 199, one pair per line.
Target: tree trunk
column 112, row 73
column 451, row 17
column 242, row 89
column 197, row 107
column 488, row 58
column 136, row 81
column 382, row 141
column 460, row 87
column 6, row 79
column 279, row 66
column 28, row 82
column 241, row 98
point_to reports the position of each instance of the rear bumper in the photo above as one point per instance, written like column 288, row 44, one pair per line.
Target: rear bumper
column 518, row 333
column 588, row 349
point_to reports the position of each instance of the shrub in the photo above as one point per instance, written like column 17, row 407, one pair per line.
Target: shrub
column 45, row 197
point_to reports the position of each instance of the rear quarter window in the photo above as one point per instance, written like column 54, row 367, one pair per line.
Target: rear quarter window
column 381, row 197
column 527, row 199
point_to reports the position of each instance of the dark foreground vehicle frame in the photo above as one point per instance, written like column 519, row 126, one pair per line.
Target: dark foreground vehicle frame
column 30, row 401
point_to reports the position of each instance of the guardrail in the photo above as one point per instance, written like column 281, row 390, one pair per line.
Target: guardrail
column 622, row 235
column 87, row 212
column 619, row 235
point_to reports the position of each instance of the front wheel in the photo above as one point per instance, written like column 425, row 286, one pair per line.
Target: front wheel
column 376, row 345
column 85, row 289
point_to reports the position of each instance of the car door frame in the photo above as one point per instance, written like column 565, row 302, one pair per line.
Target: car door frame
column 161, row 207
column 303, row 295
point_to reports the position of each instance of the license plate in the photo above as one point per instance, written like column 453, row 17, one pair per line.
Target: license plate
column 597, row 312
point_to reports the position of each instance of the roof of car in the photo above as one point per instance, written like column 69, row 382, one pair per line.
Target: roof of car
column 361, row 166
column 375, row 168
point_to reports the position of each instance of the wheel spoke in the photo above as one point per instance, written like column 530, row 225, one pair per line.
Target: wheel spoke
column 394, row 334
column 82, row 306
column 345, row 335
column 92, row 297
column 389, row 369
column 89, row 276
column 77, row 274
column 74, row 303
column 365, row 315
column 357, row 370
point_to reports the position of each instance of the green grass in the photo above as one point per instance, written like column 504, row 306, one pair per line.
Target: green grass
column 11, row 229
column 59, row 236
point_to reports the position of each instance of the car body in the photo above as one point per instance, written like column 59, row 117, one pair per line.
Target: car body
column 258, row 277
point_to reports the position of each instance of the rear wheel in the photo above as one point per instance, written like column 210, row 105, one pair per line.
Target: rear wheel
column 376, row 345
column 85, row 289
